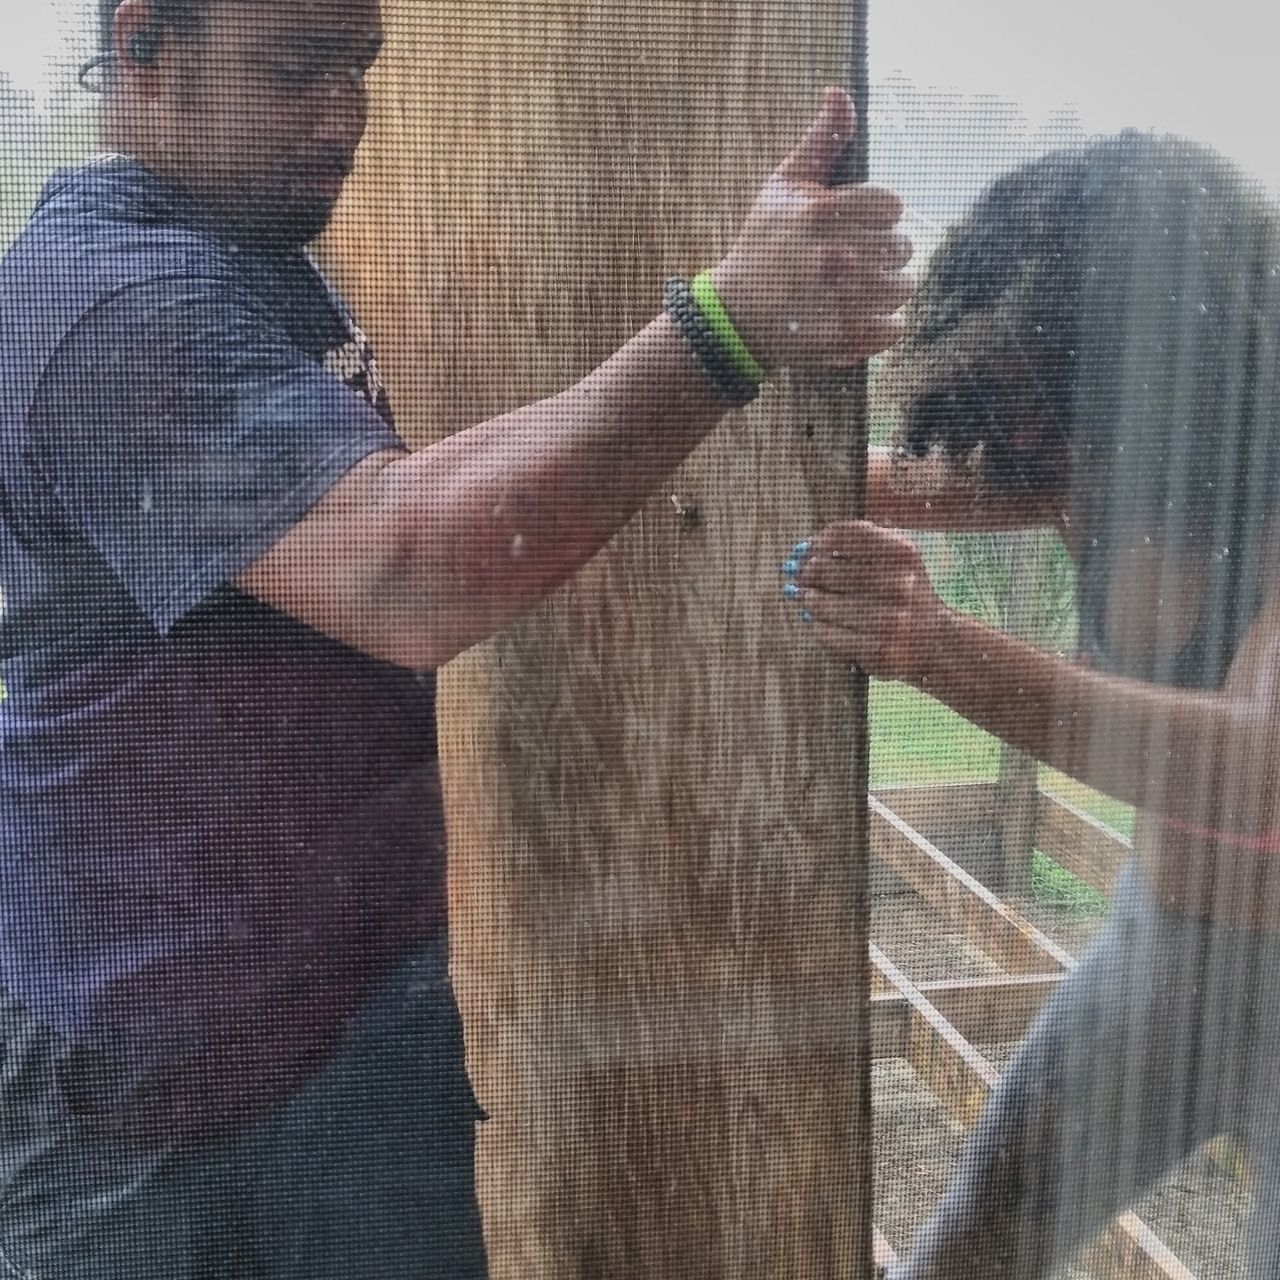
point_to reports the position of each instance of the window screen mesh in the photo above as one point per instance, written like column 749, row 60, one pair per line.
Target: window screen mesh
column 474, row 802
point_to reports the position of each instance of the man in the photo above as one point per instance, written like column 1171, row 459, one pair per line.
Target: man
column 1094, row 348
column 230, row 1046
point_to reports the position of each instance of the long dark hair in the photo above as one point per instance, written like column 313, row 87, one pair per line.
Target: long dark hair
column 1133, row 278
column 1124, row 297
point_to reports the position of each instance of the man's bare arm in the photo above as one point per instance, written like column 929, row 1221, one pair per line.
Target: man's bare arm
column 414, row 558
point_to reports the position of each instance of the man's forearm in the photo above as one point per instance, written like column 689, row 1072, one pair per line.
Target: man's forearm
column 1167, row 750
column 414, row 559
column 493, row 519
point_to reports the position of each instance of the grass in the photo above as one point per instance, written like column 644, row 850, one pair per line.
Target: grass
column 916, row 740
column 1054, row 886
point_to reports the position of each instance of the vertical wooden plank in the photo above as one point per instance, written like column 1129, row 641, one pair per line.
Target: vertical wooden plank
column 654, row 783
column 1019, row 777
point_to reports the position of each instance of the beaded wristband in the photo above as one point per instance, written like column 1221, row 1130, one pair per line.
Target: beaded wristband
column 712, row 306
column 704, row 345
column 710, row 354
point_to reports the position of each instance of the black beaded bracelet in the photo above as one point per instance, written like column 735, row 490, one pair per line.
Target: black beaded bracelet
column 729, row 381
column 731, row 384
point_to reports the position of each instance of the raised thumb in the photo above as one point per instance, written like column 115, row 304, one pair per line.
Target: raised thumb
column 819, row 150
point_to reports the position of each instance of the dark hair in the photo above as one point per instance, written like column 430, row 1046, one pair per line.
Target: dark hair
column 1135, row 283
column 183, row 16
column 1123, row 298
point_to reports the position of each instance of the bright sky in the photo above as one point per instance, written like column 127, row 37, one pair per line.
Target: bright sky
column 36, row 33
column 1206, row 70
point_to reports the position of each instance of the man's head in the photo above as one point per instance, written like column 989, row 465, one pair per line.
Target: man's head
column 1100, row 317
column 254, row 108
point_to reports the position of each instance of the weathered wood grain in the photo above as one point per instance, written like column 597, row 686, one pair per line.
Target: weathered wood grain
column 653, row 783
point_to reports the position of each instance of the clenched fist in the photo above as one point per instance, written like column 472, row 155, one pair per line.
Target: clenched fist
column 870, row 599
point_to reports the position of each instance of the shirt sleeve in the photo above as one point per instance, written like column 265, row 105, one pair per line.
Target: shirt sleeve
column 182, row 432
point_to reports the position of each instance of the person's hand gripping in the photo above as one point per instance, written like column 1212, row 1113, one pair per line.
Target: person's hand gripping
column 868, row 594
column 816, row 277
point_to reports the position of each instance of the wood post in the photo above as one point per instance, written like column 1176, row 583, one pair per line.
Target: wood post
column 654, row 783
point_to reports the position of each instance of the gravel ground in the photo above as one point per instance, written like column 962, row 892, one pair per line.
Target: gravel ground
column 1199, row 1211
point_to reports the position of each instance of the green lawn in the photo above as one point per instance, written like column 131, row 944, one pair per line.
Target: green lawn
column 916, row 740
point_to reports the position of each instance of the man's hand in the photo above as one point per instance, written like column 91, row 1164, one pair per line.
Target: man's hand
column 413, row 559
column 871, row 601
column 816, row 276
